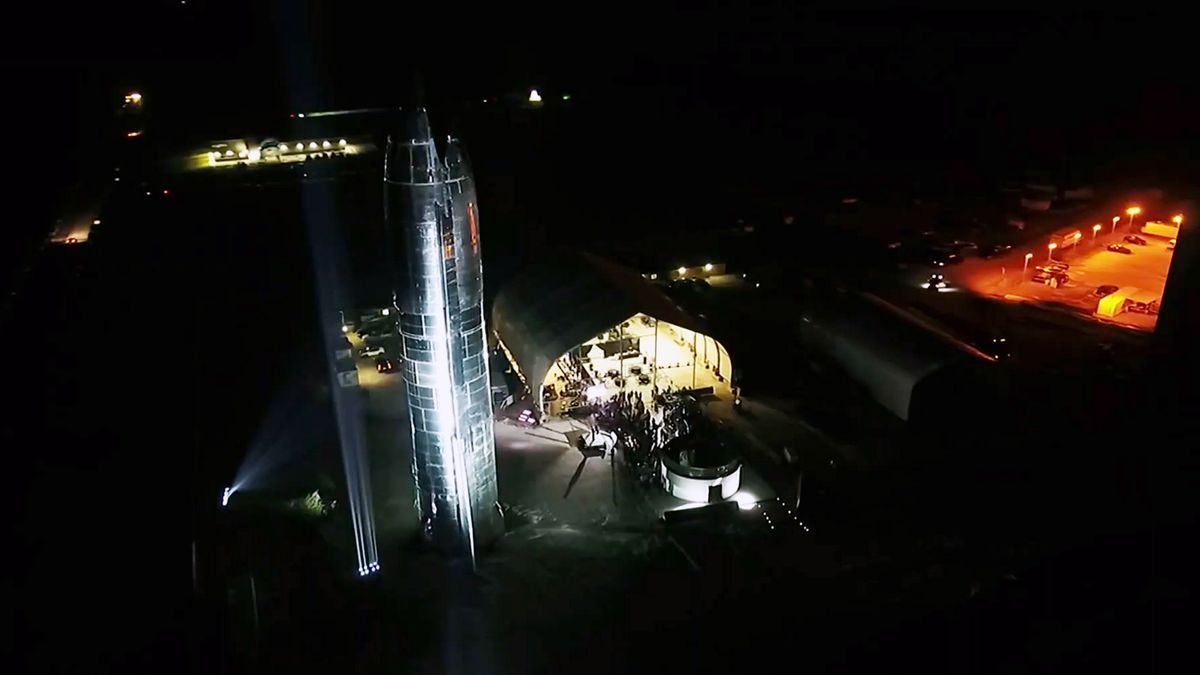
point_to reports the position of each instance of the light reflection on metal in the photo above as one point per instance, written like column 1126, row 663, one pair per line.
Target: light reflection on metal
column 431, row 213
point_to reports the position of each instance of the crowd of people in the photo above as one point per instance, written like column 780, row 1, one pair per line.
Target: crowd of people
column 642, row 429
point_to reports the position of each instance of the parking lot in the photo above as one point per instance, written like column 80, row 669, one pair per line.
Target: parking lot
column 1091, row 265
column 369, row 376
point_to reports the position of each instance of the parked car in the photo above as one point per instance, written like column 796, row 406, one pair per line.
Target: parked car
column 1117, row 248
column 1051, row 278
column 940, row 257
column 367, row 352
column 385, row 365
column 1134, row 239
column 1053, row 267
column 994, row 250
column 1139, row 306
column 1106, row 289
column 934, row 282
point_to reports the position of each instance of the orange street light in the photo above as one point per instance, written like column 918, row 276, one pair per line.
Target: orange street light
column 1050, row 250
column 1095, row 229
column 1116, row 219
column 1028, row 256
column 1132, row 211
column 1178, row 219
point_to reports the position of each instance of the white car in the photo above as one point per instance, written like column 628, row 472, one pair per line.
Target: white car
column 370, row 351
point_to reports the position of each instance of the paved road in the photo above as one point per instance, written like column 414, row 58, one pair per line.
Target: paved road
column 766, row 432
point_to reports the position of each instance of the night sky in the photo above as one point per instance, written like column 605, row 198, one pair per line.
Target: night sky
column 975, row 88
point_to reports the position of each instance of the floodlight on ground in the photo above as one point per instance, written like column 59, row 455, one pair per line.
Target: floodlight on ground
column 707, row 267
column 345, row 328
column 682, row 271
column 96, row 221
column 386, row 311
column 534, row 96
column 325, row 145
column 342, row 143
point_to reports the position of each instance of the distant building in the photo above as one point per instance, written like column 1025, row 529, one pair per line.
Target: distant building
column 909, row 370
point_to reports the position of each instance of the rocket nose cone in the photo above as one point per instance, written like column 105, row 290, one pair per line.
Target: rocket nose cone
column 457, row 163
column 411, row 155
column 417, row 126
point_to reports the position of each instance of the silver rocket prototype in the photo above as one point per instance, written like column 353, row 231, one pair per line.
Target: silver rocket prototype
column 433, row 220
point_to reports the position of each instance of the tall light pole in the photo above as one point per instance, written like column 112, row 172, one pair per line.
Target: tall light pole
column 1095, row 229
column 1028, row 256
column 1050, row 251
column 1178, row 219
column 1116, row 219
column 1131, row 212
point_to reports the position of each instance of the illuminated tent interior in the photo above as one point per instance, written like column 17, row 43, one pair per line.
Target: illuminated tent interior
column 575, row 316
